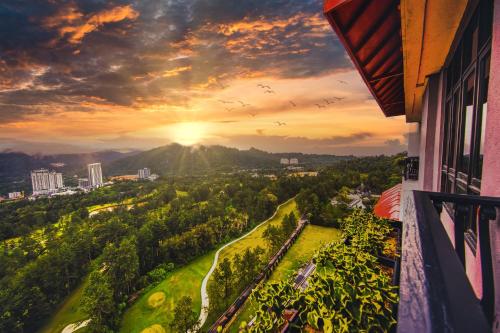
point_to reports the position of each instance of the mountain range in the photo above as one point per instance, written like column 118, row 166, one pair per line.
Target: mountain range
column 166, row 160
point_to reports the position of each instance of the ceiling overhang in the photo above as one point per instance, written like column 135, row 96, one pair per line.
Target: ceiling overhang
column 428, row 31
column 396, row 45
column 371, row 33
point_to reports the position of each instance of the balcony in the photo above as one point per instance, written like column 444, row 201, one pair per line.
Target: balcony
column 435, row 293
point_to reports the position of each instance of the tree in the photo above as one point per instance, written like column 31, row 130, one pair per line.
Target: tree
column 98, row 303
column 122, row 265
column 223, row 277
column 274, row 237
column 288, row 224
column 185, row 319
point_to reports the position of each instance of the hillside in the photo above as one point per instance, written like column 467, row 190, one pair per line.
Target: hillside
column 15, row 167
column 177, row 159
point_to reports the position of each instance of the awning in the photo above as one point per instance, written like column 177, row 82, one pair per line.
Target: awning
column 389, row 203
column 371, row 33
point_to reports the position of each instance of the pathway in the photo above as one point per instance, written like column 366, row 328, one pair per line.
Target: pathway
column 204, row 295
column 76, row 326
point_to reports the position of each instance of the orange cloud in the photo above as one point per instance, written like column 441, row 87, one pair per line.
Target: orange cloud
column 176, row 71
column 78, row 28
column 67, row 14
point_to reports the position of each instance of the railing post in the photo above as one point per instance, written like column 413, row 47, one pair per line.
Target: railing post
column 461, row 214
column 438, row 205
column 486, row 213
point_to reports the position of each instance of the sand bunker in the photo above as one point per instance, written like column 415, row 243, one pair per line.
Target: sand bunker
column 156, row 328
column 156, row 299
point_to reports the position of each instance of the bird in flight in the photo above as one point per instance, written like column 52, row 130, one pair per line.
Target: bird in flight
column 253, row 114
column 243, row 104
column 320, row 106
column 225, row 102
column 342, row 81
column 293, row 104
column 328, row 102
column 280, row 123
column 260, row 85
column 229, row 109
column 269, row 91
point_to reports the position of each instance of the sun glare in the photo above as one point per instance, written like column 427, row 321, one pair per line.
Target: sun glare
column 188, row 133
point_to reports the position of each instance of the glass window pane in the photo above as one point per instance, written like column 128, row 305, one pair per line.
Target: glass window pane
column 468, row 116
column 485, row 22
column 485, row 73
column 452, row 145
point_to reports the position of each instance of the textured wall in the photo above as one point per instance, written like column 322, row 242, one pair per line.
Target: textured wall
column 490, row 184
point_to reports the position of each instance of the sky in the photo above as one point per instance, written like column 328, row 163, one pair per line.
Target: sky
column 94, row 75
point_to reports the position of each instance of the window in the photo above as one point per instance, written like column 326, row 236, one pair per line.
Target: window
column 465, row 107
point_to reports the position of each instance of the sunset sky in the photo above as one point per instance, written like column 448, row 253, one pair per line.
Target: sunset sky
column 94, row 75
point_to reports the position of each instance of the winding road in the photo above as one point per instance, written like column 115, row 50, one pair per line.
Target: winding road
column 205, row 301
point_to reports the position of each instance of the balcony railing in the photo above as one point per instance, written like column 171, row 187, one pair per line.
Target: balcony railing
column 435, row 292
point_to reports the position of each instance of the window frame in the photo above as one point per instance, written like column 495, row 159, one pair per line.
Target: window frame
column 455, row 178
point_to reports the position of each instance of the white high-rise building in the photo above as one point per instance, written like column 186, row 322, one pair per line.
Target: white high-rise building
column 95, row 175
column 45, row 182
column 294, row 161
column 144, row 173
column 285, row 161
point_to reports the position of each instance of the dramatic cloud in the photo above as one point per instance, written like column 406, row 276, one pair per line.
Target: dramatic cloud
column 91, row 68
column 77, row 32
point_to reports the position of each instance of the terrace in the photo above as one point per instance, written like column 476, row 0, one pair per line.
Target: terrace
column 430, row 62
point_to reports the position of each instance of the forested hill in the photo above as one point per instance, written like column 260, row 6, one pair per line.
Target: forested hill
column 15, row 167
column 178, row 159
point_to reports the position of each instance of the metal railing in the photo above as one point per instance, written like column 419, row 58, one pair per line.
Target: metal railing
column 435, row 292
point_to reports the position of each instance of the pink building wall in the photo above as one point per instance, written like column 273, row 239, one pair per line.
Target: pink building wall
column 430, row 158
column 490, row 184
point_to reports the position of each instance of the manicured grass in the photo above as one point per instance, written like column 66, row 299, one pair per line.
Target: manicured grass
column 185, row 281
column 181, row 193
column 309, row 241
column 68, row 313
column 252, row 241
column 256, row 238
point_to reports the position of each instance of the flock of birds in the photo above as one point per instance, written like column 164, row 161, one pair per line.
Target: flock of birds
column 326, row 102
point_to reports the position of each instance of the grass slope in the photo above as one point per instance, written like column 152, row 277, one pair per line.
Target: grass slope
column 309, row 241
column 256, row 238
column 251, row 241
column 68, row 313
column 185, row 281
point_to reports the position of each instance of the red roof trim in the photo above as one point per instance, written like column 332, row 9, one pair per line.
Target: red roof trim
column 331, row 4
column 370, row 32
column 388, row 206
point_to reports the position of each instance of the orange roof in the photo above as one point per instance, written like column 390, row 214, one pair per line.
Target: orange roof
column 388, row 204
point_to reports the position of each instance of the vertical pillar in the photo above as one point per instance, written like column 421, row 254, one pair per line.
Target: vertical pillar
column 490, row 184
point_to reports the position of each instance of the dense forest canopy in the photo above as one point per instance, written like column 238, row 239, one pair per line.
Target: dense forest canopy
column 127, row 236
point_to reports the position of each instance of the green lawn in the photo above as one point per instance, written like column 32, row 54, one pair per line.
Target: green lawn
column 253, row 240
column 309, row 241
column 185, row 281
column 181, row 193
column 256, row 238
column 68, row 313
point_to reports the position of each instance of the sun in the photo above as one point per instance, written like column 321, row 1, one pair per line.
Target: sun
column 188, row 133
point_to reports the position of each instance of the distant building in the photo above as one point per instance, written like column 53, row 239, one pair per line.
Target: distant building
column 144, row 173
column 83, row 183
column 285, row 161
column 45, row 182
column 95, row 175
column 124, row 178
column 294, row 161
column 16, row 195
